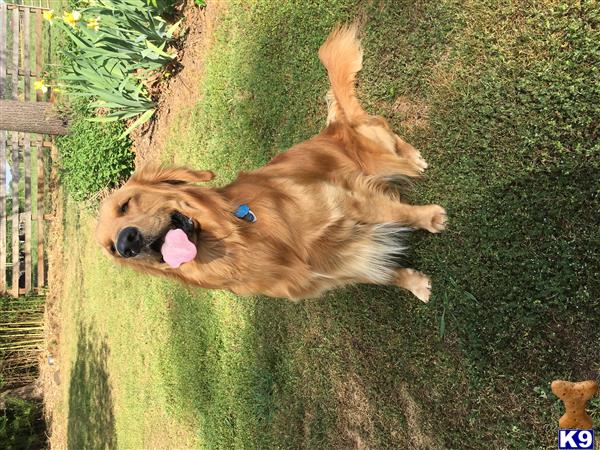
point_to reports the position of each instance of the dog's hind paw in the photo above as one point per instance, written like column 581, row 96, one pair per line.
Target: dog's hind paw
column 416, row 282
column 435, row 219
column 423, row 290
column 408, row 152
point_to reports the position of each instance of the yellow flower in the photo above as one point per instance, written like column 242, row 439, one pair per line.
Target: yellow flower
column 94, row 24
column 71, row 18
column 48, row 15
column 39, row 85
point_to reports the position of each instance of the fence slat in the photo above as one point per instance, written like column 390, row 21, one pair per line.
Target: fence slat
column 16, row 266
column 26, row 50
column 27, row 150
column 36, row 139
column 38, row 51
column 22, row 72
column 21, row 217
column 14, row 29
column 40, row 219
column 2, row 49
column 27, row 7
column 3, row 136
column 27, row 210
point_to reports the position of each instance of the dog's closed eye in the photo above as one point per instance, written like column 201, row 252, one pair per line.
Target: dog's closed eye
column 124, row 207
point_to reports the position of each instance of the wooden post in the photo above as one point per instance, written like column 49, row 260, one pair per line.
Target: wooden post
column 27, row 149
column 14, row 29
column 40, row 219
column 3, row 136
column 26, row 50
column 2, row 49
column 16, row 265
column 53, row 165
column 30, row 117
column 39, row 96
column 40, row 282
column 27, row 210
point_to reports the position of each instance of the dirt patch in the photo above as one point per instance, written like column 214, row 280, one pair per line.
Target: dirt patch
column 420, row 434
column 356, row 412
column 179, row 93
column 51, row 358
column 412, row 113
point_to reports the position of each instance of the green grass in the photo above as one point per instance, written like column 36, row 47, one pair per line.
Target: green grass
column 508, row 94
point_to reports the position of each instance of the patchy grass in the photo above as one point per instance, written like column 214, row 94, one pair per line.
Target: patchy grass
column 502, row 100
column 111, row 351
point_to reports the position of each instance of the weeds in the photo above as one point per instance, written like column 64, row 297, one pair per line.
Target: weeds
column 21, row 338
column 93, row 157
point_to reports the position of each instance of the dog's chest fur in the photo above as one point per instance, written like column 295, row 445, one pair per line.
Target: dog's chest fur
column 308, row 235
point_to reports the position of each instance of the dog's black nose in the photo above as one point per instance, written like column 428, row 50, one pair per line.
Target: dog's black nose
column 129, row 242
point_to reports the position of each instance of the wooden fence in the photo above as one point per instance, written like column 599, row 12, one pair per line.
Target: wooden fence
column 24, row 158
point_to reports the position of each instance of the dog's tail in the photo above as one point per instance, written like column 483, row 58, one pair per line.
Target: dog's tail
column 341, row 54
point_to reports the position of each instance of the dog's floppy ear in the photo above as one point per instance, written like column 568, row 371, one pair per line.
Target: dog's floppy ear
column 152, row 174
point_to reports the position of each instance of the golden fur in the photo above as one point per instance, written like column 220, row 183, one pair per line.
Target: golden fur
column 328, row 212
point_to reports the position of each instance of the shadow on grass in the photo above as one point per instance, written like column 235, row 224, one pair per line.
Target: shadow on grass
column 350, row 367
column 91, row 422
column 528, row 254
column 519, row 268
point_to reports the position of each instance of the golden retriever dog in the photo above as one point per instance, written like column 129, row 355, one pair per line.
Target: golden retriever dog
column 325, row 213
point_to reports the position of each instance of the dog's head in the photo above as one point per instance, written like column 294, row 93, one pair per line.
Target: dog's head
column 135, row 219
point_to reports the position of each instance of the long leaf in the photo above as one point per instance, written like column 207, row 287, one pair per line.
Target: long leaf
column 140, row 121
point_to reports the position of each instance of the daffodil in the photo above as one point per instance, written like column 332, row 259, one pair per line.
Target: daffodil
column 71, row 18
column 48, row 15
column 94, row 24
column 39, row 85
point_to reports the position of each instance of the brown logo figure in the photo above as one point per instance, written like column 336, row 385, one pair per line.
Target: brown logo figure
column 575, row 397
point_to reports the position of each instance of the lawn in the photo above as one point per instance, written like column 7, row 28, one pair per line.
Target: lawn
column 502, row 99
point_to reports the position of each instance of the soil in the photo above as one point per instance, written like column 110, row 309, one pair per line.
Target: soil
column 178, row 94
column 50, row 360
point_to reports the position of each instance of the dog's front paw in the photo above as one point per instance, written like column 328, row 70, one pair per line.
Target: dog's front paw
column 436, row 219
column 407, row 151
column 419, row 161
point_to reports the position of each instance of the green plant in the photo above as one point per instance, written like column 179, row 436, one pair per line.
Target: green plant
column 115, row 45
column 21, row 425
column 93, row 157
column 164, row 8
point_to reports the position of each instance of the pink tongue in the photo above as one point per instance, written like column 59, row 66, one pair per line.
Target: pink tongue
column 177, row 248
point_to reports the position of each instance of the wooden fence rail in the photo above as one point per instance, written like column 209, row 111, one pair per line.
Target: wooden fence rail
column 24, row 157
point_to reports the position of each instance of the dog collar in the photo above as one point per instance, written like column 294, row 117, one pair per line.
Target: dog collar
column 245, row 213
